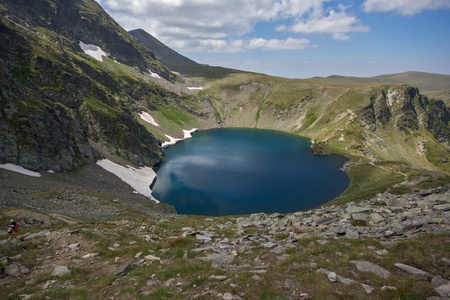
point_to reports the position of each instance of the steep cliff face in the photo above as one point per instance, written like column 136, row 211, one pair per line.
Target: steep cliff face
column 57, row 105
column 408, row 110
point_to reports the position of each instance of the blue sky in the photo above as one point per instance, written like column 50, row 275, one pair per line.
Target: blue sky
column 299, row 38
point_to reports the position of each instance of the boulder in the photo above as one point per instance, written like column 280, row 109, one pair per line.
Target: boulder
column 411, row 270
column 367, row 266
column 59, row 271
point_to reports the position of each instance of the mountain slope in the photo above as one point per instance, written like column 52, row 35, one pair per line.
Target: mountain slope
column 164, row 54
column 59, row 106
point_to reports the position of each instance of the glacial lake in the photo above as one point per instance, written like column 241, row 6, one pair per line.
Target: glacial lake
column 242, row 171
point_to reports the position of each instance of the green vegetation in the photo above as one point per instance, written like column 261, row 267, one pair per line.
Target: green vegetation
column 367, row 181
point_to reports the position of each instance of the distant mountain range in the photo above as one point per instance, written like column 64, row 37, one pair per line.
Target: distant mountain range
column 426, row 82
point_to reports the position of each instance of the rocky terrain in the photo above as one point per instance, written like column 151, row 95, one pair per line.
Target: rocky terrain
column 386, row 247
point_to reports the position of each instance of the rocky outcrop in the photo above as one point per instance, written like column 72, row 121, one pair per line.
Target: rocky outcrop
column 408, row 110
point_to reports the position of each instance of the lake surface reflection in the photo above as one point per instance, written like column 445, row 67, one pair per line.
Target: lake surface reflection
column 242, row 171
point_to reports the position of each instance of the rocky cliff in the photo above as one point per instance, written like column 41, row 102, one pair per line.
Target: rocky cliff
column 58, row 105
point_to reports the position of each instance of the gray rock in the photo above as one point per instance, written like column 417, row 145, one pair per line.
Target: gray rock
column 353, row 235
column 35, row 235
column 381, row 252
column 12, row 270
column 411, row 270
column 442, row 207
column 218, row 259
column 332, row 277
column 443, row 290
column 74, row 247
column 269, row 245
column 367, row 266
column 278, row 250
column 438, row 281
column 367, row 288
column 359, row 217
column 375, row 218
column 123, row 269
column 59, row 271
column 219, row 278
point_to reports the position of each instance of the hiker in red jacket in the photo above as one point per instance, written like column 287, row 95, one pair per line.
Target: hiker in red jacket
column 13, row 227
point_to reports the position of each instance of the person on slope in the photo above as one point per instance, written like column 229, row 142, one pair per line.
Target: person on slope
column 13, row 227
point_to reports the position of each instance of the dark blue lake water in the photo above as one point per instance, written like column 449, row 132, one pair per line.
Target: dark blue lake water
column 242, row 171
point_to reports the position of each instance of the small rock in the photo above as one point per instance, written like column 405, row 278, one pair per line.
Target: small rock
column 269, row 245
column 229, row 296
column 89, row 255
column 438, row 281
column 443, row 290
column 411, row 270
column 49, row 284
column 388, row 288
column 74, row 247
column 332, row 276
column 12, row 270
column 288, row 283
column 256, row 278
column 278, row 250
column 367, row 266
column 219, row 278
column 59, row 271
column 367, row 288
column 353, row 235
column 305, row 296
column 151, row 258
column 24, row 270
column 169, row 282
column 381, row 252
column 442, row 207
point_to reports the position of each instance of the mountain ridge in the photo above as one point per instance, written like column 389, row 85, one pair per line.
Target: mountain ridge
column 166, row 55
column 426, row 82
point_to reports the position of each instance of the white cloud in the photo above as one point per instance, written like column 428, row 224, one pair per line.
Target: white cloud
column 275, row 44
column 228, row 26
column 239, row 45
column 404, row 7
column 336, row 23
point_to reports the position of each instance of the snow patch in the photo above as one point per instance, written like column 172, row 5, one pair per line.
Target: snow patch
column 188, row 133
column 172, row 141
column 195, row 88
column 176, row 73
column 19, row 169
column 147, row 118
column 154, row 75
column 139, row 179
column 93, row 51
